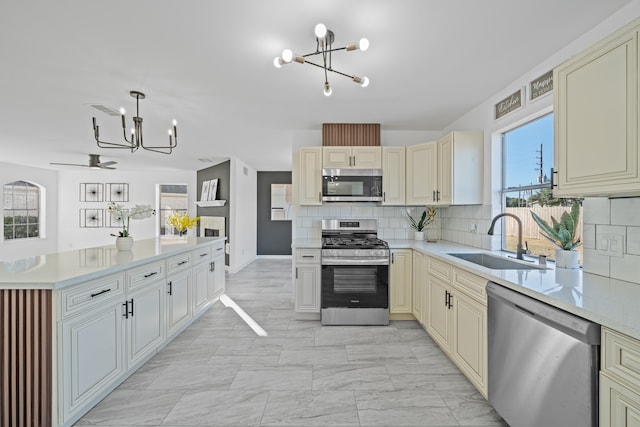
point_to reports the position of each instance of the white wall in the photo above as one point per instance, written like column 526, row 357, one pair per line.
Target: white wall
column 48, row 180
column 243, row 215
column 142, row 190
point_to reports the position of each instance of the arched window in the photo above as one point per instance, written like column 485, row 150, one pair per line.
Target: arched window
column 21, row 210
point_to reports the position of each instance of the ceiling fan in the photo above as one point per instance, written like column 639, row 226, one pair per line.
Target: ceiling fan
column 94, row 163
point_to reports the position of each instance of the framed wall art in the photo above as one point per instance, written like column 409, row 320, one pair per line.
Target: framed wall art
column 91, row 192
column 91, row 218
column 117, row 192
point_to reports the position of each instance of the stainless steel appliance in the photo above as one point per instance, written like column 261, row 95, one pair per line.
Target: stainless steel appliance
column 543, row 362
column 352, row 185
column 355, row 273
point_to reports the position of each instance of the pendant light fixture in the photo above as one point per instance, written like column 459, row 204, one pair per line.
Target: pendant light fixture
column 136, row 139
column 324, row 47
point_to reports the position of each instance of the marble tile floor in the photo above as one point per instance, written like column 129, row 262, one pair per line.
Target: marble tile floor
column 218, row 372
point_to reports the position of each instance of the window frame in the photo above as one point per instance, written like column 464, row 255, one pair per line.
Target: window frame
column 39, row 210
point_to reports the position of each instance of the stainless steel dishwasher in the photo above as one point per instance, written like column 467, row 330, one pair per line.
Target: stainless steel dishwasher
column 543, row 362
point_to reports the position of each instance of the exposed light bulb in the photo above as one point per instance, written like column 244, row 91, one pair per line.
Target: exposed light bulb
column 122, row 111
column 287, row 56
column 175, row 123
column 365, row 81
column 169, row 132
column 363, row 44
column 133, row 131
column 277, row 62
column 320, row 31
column 327, row 89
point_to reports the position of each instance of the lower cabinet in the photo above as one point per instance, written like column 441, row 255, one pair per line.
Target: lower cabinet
column 619, row 380
column 307, row 282
column 419, row 287
column 400, row 273
column 92, row 356
column 178, row 289
column 144, row 318
column 216, row 282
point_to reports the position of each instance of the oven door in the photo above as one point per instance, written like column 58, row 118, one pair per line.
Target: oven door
column 355, row 286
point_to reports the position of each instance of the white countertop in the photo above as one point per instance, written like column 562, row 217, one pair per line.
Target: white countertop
column 59, row 270
column 609, row 302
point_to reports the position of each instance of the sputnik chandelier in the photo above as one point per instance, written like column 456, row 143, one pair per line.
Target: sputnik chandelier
column 136, row 140
column 324, row 47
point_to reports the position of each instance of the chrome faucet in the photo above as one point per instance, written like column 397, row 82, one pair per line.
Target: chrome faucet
column 520, row 250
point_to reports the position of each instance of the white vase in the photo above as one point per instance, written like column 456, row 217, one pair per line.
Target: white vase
column 567, row 259
column 124, row 243
column 418, row 235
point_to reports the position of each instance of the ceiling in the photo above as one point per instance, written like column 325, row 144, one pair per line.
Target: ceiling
column 209, row 64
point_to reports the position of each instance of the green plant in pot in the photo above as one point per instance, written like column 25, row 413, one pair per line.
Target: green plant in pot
column 419, row 225
column 562, row 234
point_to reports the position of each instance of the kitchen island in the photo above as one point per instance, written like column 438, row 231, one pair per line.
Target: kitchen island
column 76, row 324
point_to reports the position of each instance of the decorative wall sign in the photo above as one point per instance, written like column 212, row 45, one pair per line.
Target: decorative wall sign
column 204, row 196
column 117, row 192
column 91, row 192
column 213, row 189
column 541, row 85
column 509, row 104
column 91, row 218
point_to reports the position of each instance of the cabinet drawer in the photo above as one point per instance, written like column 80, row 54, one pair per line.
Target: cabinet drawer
column 621, row 357
column 89, row 294
column 218, row 249
column 439, row 269
column 178, row 262
column 472, row 285
column 201, row 255
column 308, row 255
column 140, row 276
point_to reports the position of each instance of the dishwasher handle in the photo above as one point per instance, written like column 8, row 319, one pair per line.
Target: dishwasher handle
column 575, row 326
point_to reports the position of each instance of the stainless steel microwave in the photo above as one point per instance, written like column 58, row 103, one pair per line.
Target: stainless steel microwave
column 352, row 185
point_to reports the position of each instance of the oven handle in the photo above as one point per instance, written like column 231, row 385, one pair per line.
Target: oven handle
column 351, row 261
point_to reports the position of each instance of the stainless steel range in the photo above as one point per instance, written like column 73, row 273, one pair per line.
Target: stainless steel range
column 355, row 273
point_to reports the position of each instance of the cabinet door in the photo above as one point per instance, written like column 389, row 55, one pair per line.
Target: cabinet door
column 216, row 275
column 393, row 176
column 438, row 317
column 367, row 157
column 92, row 355
column 200, row 287
column 596, row 120
column 469, row 339
column 400, row 281
column 418, row 283
column 178, row 300
column 619, row 406
column 445, row 170
column 422, row 174
column 307, row 294
column 145, row 324
column 310, row 176
column 337, row 157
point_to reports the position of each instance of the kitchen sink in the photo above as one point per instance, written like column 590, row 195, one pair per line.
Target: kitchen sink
column 495, row 262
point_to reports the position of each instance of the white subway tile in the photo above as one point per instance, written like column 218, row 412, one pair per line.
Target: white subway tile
column 595, row 263
column 604, row 231
column 626, row 268
column 596, row 210
column 625, row 211
column 633, row 240
column 589, row 236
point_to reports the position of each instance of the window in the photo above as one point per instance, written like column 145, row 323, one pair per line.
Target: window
column 173, row 198
column 21, row 210
column 527, row 153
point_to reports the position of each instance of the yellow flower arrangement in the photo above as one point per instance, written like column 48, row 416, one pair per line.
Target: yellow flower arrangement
column 181, row 222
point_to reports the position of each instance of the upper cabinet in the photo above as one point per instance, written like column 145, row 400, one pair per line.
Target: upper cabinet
column 352, row 157
column 446, row 172
column 310, row 176
column 596, row 119
column 393, row 176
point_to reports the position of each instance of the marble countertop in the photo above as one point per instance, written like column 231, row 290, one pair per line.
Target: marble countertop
column 62, row 269
column 609, row 302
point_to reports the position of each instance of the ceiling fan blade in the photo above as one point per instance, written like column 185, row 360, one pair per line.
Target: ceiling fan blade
column 106, row 167
column 107, row 164
column 68, row 164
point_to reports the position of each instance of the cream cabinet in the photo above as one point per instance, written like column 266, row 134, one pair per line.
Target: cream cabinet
column 352, row 157
column 400, row 272
column 596, row 119
column 310, row 176
column 419, row 287
column 307, row 270
column 393, row 176
column 619, row 380
column 446, row 172
column 457, row 319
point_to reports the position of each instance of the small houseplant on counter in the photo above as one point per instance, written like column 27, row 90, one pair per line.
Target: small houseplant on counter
column 428, row 216
column 124, row 241
column 563, row 234
column 181, row 223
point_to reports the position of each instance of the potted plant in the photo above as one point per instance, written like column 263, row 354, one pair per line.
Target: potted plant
column 124, row 241
column 428, row 216
column 181, row 223
column 563, row 234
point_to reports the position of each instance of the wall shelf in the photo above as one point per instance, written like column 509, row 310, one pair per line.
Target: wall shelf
column 211, row 203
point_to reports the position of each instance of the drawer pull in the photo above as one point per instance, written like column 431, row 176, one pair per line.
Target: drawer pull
column 170, row 288
column 150, row 274
column 126, row 309
column 104, row 291
column 203, row 255
column 219, row 249
column 183, row 262
column 308, row 256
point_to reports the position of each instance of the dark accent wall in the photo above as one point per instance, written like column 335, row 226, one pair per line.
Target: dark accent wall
column 222, row 171
column 274, row 237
